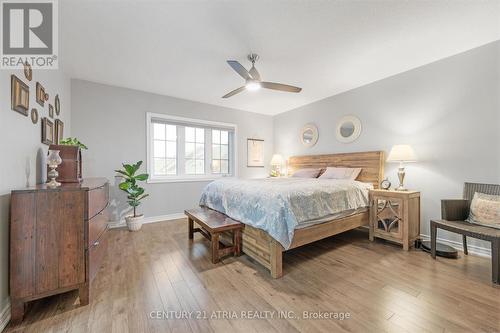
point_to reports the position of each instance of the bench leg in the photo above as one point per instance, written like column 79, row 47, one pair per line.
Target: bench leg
column 215, row 248
column 433, row 239
column 495, row 261
column 237, row 242
column 464, row 240
column 191, row 227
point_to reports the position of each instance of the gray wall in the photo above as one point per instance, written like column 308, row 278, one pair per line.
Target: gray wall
column 449, row 111
column 111, row 121
column 20, row 142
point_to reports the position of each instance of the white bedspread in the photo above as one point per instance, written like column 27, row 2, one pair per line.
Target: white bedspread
column 280, row 205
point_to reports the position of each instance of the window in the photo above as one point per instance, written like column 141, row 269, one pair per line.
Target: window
column 165, row 149
column 182, row 149
column 195, row 150
column 220, row 152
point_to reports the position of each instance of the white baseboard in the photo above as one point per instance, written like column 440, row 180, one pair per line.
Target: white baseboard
column 150, row 219
column 473, row 249
column 5, row 316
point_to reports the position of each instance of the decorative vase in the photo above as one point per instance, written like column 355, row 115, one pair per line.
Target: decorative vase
column 134, row 223
column 53, row 161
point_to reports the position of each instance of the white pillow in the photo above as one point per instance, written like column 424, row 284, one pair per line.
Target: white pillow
column 341, row 173
column 485, row 210
column 306, row 173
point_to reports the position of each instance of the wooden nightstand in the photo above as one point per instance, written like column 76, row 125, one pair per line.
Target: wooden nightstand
column 395, row 216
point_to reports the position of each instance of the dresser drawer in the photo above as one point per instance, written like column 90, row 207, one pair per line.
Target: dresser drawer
column 97, row 225
column 98, row 200
column 96, row 254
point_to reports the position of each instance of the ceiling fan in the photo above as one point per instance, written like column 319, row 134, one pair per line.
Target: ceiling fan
column 253, row 79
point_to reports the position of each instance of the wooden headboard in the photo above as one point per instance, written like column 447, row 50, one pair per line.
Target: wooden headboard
column 370, row 162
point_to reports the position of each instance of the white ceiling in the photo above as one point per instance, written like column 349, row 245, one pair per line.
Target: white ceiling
column 179, row 48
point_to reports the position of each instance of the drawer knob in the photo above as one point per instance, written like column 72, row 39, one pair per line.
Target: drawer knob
column 96, row 243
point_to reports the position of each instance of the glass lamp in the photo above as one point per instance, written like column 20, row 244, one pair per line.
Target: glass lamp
column 276, row 163
column 53, row 161
column 401, row 154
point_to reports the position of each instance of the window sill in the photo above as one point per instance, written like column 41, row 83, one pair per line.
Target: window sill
column 184, row 179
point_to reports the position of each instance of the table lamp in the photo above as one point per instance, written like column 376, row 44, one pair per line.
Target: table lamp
column 276, row 163
column 401, row 154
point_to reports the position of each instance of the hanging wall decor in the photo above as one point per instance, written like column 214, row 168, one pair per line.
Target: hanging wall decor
column 57, row 105
column 51, row 111
column 20, row 95
column 40, row 94
column 34, row 116
column 47, row 131
column 59, row 131
column 28, row 72
column 255, row 153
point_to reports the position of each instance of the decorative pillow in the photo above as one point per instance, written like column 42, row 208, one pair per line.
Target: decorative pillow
column 306, row 173
column 485, row 210
column 341, row 173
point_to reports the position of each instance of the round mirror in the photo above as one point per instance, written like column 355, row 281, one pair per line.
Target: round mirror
column 309, row 135
column 348, row 129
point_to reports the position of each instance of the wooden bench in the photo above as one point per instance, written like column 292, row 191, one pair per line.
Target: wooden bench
column 212, row 224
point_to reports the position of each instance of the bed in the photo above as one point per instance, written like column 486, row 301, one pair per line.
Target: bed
column 272, row 208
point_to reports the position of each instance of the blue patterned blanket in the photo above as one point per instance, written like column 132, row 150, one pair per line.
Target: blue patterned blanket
column 280, row 205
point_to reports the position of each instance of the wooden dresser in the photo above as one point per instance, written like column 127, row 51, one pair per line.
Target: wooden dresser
column 57, row 240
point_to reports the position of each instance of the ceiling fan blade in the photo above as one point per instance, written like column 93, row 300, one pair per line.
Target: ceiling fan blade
column 254, row 73
column 234, row 92
column 280, row 86
column 239, row 69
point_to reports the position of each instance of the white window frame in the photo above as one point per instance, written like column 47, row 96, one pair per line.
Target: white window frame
column 180, row 139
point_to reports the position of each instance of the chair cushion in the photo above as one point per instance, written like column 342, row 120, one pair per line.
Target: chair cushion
column 485, row 210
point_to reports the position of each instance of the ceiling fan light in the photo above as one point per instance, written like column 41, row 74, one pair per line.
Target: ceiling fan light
column 252, row 85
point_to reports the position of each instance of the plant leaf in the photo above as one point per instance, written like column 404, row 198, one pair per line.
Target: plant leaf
column 129, row 169
column 142, row 197
column 142, row 177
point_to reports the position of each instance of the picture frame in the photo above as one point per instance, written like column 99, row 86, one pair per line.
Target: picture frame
column 57, row 105
column 34, row 116
column 40, row 94
column 51, row 111
column 59, row 131
column 28, row 71
column 20, row 95
column 47, row 131
column 255, row 153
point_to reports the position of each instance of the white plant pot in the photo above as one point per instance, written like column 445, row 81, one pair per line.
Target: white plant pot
column 134, row 223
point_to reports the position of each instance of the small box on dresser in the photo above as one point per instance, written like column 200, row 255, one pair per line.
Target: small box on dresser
column 395, row 216
column 57, row 240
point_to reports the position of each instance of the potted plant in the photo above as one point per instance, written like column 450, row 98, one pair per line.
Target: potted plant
column 73, row 142
column 135, row 193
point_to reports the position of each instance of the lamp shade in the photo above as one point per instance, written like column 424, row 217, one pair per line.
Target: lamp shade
column 277, row 159
column 402, row 153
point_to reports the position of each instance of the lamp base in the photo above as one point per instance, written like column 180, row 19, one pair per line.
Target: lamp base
column 401, row 176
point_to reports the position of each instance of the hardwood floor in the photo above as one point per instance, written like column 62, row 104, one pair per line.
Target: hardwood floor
column 382, row 288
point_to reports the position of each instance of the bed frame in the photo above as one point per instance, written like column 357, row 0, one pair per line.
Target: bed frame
column 258, row 245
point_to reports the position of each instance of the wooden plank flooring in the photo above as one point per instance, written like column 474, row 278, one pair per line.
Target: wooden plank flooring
column 382, row 288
